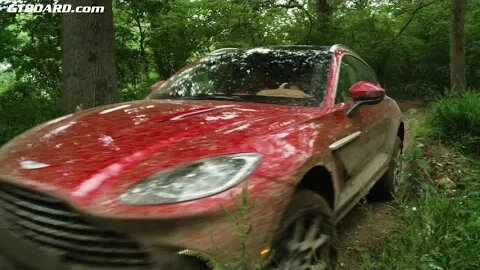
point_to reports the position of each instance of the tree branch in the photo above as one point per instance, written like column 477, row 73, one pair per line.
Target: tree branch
column 294, row 4
column 415, row 11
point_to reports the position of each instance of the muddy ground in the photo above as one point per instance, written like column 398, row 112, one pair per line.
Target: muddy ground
column 363, row 229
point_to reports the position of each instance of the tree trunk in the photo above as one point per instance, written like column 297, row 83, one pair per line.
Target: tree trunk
column 457, row 46
column 324, row 15
column 88, row 57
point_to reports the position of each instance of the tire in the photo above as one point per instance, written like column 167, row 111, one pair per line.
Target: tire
column 384, row 190
column 306, row 235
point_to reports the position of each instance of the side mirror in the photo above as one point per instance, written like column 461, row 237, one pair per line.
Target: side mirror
column 155, row 89
column 365, row 93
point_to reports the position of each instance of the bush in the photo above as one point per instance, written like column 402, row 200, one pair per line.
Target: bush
column 457, row 119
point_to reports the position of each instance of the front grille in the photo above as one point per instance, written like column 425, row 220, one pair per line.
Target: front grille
column 54, row 224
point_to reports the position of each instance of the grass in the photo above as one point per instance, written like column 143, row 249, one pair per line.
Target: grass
column 439, row 225
column 439, row 230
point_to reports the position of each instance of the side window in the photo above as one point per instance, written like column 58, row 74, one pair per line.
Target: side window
column 352, row 70
column 346, row 79
column 364, row 73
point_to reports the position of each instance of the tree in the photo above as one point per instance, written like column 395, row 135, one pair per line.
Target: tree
column 88, row 57
column 457, row 46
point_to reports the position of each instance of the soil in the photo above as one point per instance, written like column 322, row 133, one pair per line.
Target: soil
column 362, row 231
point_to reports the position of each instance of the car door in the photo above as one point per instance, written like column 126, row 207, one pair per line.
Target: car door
column 359, row 152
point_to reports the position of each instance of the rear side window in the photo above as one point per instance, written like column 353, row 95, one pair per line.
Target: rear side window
column 352, row 70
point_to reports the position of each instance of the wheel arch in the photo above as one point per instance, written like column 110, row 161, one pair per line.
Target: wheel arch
column 320, row 180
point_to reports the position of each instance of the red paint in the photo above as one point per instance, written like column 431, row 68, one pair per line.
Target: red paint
column 173, row 132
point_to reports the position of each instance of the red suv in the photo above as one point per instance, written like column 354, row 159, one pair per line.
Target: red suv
column 245, row 158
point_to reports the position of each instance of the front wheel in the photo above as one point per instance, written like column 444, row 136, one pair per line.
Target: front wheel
column 305, row 238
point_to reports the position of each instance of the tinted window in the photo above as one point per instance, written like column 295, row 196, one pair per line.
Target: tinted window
column 281, row 76
column 352, row 70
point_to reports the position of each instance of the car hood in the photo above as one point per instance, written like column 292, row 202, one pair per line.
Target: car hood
column 78, row 152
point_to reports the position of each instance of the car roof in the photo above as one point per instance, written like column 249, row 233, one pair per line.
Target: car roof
column 319, row 48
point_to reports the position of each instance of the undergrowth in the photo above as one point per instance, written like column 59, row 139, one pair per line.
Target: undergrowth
column 438, row 206
column 439, row 227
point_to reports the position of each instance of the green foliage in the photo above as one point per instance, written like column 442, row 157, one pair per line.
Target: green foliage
column 29, row 71
column 6, row 80
column 409, row 53
column 186, row 29
column 457, row 118
column 23, row 107
column 135, row 67
column 34, row 49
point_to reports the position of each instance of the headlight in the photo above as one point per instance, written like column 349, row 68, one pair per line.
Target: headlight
column 192, row 181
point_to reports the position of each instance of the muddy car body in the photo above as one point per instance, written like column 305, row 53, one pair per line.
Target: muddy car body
column 164, row 182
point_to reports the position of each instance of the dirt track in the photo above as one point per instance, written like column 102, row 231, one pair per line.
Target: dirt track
column 363, row 229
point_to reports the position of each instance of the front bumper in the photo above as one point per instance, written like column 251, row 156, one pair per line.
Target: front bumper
column 20, row 253
column 36, row 247
column 17, row 253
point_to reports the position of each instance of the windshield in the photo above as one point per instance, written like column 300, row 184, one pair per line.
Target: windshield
column 279, row 76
